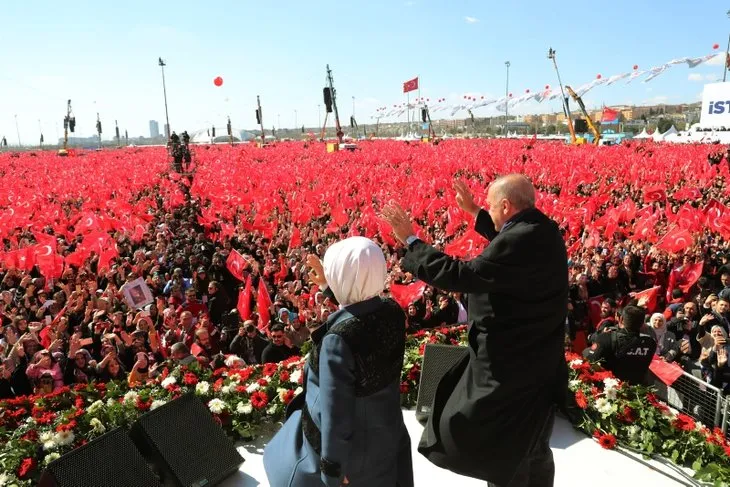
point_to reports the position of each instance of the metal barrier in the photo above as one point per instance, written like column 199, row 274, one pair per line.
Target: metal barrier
column 694, row 397
column 726, row 418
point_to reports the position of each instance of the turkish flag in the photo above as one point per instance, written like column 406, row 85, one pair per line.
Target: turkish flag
column 684, row 277
column 236, row 264
column 654, row 193
column 406, row 294
column 410, row 85
column 649, row 296
column 106, row 257
column 467, row 246
column 196, row 350
column 263, row 304
column 667, row 372
column 244, row 300
column 594, row 309
column 296, row 239
column 675, row 240
column 609, row 115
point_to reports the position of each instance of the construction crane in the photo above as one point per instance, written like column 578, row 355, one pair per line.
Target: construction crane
column 589, row 121
column 566, row 108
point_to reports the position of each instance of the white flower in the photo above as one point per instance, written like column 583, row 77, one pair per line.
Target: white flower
column 45, row 437
column 298, row 391
column 216, row 406
column 634, row 432
column 8, row 479
column 226, row 389
column 699, row 426
column 29, row 421
column 49, row 445
column 202, row 388
column 611, row 383
column 235, row 377
column 295, row 376
column 291, row 365
column 50, row 457
column 110, row 402
column 576, row 363
column 611, row 394
column 603, row 406
column 242, row 408
column 272, row 410
column 95, row 406
column 253, row 387
column 574, row 384
column 64, row 438
column 97, row 426
column 131, row 397
column 157, row 403
column 169, row 380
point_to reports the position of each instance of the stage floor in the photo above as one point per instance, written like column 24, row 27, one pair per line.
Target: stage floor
column 579, row 461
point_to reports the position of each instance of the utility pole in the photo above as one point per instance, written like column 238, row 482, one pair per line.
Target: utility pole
column 506, row 97
column 17, row 130
column 164, row 92
column 338, row 128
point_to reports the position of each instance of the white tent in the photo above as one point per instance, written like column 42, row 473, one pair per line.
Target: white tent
column 657, row 136
column 643, row 135
column 673, row 130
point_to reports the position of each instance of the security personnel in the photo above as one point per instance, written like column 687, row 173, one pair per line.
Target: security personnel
column 626, row 352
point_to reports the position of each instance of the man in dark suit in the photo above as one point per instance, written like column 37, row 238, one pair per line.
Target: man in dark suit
column 493, row 413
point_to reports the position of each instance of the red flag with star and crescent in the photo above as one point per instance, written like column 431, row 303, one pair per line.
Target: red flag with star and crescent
column 410, row 85
column 236, row 264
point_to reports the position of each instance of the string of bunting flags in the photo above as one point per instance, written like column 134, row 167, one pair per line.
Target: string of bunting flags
column 471, row 102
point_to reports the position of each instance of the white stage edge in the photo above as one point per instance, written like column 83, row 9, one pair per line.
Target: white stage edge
column 579, row 461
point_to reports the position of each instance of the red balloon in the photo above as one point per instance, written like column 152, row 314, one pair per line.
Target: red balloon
column 598, row 76
column 527, row 90
column 636, row 66
column 218, row 81
column 716, row 46
column 510, row 95
column 547, row 87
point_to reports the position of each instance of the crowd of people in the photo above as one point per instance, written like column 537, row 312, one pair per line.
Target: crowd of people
column 79, row 327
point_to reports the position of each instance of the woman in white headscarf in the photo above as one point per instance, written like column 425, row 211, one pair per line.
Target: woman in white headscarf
column 348, row 427
column 667, row 346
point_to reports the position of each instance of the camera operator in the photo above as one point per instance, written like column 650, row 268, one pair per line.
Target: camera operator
column 626, row 352
column 248, row 343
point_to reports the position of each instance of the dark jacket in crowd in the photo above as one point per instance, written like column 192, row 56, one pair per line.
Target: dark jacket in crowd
column 491, row 405
column 276, row 353
column 245, row 347
column 624, row 353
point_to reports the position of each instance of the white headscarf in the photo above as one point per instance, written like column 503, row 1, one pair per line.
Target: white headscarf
column 355, row 270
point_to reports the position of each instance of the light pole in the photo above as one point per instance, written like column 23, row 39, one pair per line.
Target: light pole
column 40, row 129
column 17, row 130
column 319, row 115
column 727, row 53
column 295, row 120
column 353, row 106
column 506, row 99
column 164, row 92
column 278, row 121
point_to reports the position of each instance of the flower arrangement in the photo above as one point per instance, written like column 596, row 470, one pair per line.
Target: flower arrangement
column 247, row 402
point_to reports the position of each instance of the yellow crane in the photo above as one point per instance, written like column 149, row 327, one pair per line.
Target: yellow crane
column 589, row 121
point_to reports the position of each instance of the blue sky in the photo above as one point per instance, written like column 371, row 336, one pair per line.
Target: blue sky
column 103, row 55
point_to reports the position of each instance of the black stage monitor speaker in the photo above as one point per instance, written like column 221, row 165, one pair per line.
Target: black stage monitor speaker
column 185, row 444
column 437, row 360
column 581, row 126
column 327, row 99
column 108, row 461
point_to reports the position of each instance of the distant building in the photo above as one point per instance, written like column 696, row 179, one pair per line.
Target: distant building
column 154, row 129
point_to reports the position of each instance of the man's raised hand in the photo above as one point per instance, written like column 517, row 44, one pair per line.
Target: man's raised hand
column 464, row 198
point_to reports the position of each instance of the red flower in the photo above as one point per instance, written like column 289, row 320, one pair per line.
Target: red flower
column 607, row 441
column 263, row 382
column 67, row 427
column 284, row 375
column 595, row 392
column 415, row 373
column 100, row 386
column 269, row 369
column 454, row 341
column 444, row 330
column 190, row 379
column 165, row 373
column 421, row 348
column 31, row 435
column 727, row 450
column 581, row 400
column 219, row 372
column 420, row 334
column 79, row 402
column 241, row 389
column 80, row 387
column 143, row 405
column 684, row 422
column 404, row 388
column 218, row 384
column 288, row 396
column 245, row 374
column 26, row 466
column 46, row 418
column 433, row 339
column 570, row 356
column 259, row 399
column 627, row 415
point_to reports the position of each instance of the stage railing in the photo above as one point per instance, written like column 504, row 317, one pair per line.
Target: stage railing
column 726, row 418
column 694, row 397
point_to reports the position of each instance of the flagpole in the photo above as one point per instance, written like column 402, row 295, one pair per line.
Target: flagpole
column 415, row 115
column 408, row 111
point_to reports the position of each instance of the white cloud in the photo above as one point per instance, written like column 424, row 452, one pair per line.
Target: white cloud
column 657, row 100
column 471, row 20
column 702, row 77
column 718, row 60
column 410, row 3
